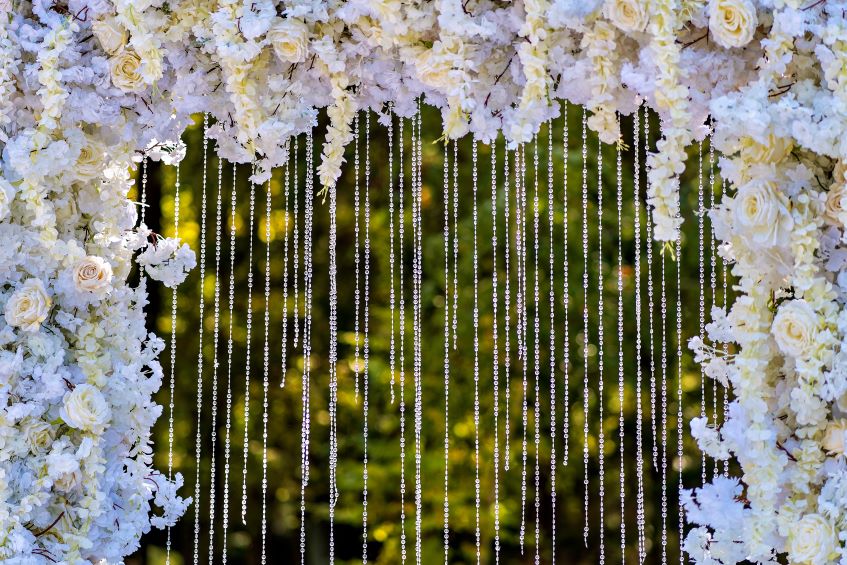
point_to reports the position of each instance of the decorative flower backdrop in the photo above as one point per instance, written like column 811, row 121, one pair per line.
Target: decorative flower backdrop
column 89, row 86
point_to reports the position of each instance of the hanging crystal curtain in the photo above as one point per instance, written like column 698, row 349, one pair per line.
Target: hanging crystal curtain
column 448, row 328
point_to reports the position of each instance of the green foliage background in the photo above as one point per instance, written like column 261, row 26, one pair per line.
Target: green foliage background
column 384, row 468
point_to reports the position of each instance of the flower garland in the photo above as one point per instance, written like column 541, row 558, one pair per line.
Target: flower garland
column 79, row 77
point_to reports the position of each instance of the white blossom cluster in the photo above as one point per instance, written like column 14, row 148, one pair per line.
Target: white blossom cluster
column 86, row 86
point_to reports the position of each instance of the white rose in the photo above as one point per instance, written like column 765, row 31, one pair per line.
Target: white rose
column 290, row 40
column 7, row 194
column 834, row 436
column 795, row 327
column 39, row 434
column 761, row 212
column 124, row 67
column 89, row 164
column 732, row 22
column 92, row 274
column 835, row 211
column 433, row 68
column 28, row 306
column 812, row 541
column 627, row 15
column 111, row 35
column 85, row 409
column 774, row 151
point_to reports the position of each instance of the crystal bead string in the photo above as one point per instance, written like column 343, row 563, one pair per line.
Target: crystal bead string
column 701, row 212
column 639, row 420
column 536, row 304
column 229, row 349
column 172, row 380
column 495, row 362
column 455, row 241
column 650, row 301
column 356, row 255
column 143, row 206
column 391, row 256
column 566, row 354
column 367, row 344
column 552, row 303
column 725, row 348
column 664, row 414
column 520, row 173
column 585, row 386
column 476, row 353
column 266, row 371
column 507, row 308
column 601, row 437
column 446, row 354
column 296, row 244
column 284, row 356
column 402, row 324
column 246, row 440
column 215, row 333
column 621, row 385
column 418, row 276
column 713, row 277
column 679, row 428
column 333, row 356
column 201, row 317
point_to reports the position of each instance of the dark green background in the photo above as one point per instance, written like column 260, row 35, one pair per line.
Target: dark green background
column 284, row 404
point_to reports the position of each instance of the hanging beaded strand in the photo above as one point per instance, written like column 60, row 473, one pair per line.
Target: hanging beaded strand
column 621, row 450
column 679, row 429
column 392, row 294
column 366, row 345
column 356, row 254
column 446, row 354
column 520, row 243
column 172, row 380
column 201, row 317
column 639, row 436
column 246, row 440
column 566, row 291
column 418, row 376
column 552, row 305
column 476, row 355
column 143, row 198
column 701, row 212
column 333, row 357
column 296, row 243
column 601, row 443
column 455, row 241
column 664, row 414
column 495, row 352
column 266, row 371
column 650, row 302
column 725, row 348
column 713, row 275
column 284, row 357
column 215, row 333
column 507, row 308
column 402, row 323
column 585, row 386
column 229, row 350
column 537, row 350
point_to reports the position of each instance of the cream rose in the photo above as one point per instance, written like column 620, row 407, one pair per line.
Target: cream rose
column 7, row 194
column 111, row 35
column 433, row 68
column 626, row 15
column 761, row 213
column 290, row 40
column 775, row 150
column 795, row 327
column 28, row 306
column 835, row 211
column 834, row 437
column 92, row 274
column 85, row 409
column 39, row 434
column 124, row 67
column 89, row 164
column 732, row 22
column 812, row 541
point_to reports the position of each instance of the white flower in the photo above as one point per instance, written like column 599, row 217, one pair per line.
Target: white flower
column 732, row 22
column 7, row 193
column 111, row 35
column 290, row 40
column 124, row 67
column 39, row 434
column 836, row 204
column 774, row 151
column 812, row 541
column 834, row 437
column 92, row 274
column 433, row 68
column 90, row 164
column 85, row 409
column 28, row 306
column 795, row 327
column 761, row 213
column 627, row 15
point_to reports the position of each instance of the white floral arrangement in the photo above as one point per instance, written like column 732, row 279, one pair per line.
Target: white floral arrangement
column 88, row 85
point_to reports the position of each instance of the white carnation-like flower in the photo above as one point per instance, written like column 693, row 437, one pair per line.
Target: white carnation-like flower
column 92, row 274
column 28, row 306
column 85, row 409
column 732, row 22
column 795, row 327
column 627, row 15
column 812, row 541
